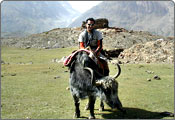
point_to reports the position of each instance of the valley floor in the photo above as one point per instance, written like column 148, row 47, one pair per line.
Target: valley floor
column 33, row 86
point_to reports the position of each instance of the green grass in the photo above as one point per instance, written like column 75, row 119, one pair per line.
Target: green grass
column 34, row 93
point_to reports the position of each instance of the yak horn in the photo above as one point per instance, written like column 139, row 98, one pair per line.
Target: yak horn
column 119, row 71
column 92, row 73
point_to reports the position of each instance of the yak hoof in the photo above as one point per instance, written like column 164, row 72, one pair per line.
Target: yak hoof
column 124, row 111
column 87, row 107
column 101, row 109
column 76, row 115
column 91, row 117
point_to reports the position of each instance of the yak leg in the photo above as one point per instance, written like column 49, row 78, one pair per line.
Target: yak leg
column 100, row 109
column 101, row 106
column 119, row 106
column 87, row 106
column 77, row 104
column 91, row 106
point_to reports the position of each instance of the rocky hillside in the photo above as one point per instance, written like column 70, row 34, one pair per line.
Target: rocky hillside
column 130, row 46
column 156, row 17
column 154, row 51
column 66, row 37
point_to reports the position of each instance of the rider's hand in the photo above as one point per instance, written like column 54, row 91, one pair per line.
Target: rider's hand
column 94, row 53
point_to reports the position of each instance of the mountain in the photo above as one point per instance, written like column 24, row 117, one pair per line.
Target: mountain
column 156, row 17
column 19, row 18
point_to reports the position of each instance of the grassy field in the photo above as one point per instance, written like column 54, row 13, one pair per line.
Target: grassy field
column 32, row 86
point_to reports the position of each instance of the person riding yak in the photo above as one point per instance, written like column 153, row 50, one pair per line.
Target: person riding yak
column 91, row 39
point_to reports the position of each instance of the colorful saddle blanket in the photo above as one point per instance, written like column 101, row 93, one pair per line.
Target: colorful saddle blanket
column 69, row 59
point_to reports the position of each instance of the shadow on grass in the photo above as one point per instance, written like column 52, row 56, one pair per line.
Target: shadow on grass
column 83, row 117
column 132, row 113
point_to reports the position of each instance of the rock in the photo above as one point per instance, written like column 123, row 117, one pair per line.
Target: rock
column 149, row 72
column 13, row 74
column 30, row 63
column 68, row 88
column 28, row 47
column 46, row 47
column 148, row 79
column 157, row 77
column 2, row 62
column 113, row 52
column 55, row 60
column 57, row 45
column 56, row 77
column 62, row 59
column 21, row 63
column 120, row 62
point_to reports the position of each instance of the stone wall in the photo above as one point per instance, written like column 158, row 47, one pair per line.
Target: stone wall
column 99, row 23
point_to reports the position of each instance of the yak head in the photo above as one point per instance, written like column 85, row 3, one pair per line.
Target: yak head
column 109, row 89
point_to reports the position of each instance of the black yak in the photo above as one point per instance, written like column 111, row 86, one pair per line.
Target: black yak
column 86, row 82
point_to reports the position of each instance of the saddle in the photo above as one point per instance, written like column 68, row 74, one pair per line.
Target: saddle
column 70, row 58
column 102, row 65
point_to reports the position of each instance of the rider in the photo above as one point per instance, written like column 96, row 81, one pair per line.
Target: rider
column 92, row 38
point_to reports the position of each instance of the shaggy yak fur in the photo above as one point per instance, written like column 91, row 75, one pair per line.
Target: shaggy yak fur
column 86, row 82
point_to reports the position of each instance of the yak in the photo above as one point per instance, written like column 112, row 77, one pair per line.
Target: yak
column 86, row 82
